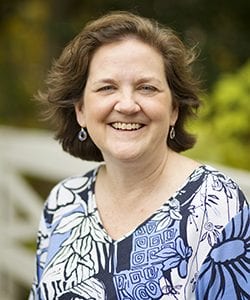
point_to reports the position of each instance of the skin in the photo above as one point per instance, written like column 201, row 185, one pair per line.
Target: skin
column 127, row 109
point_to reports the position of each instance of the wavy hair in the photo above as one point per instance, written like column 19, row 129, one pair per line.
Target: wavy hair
column 68, row 76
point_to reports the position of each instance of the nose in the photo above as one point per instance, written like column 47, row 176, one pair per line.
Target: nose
column 126, row 104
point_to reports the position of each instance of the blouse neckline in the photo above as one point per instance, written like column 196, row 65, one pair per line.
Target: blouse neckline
column 167, row 202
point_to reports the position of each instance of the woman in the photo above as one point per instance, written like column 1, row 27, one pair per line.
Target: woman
column 148, row 223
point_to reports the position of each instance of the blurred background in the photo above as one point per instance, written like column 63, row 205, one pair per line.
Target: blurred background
column 34, row 32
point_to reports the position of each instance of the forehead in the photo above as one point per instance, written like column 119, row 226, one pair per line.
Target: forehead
column 126, row 53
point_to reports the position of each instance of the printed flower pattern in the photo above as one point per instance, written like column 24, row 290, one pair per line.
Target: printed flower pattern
column 169, row 213
column 225, row 273
column 163, row 256
column 211, row 233
column 176, row 257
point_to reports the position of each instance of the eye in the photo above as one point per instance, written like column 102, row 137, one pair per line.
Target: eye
column 147, row 88
column 106, row 88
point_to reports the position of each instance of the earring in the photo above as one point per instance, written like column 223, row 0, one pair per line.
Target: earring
column 172, row 133
column 82, row 135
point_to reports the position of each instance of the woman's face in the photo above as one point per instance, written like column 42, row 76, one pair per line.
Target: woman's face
column 127, row 105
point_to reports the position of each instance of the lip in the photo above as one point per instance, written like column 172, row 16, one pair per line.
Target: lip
column 126, row 126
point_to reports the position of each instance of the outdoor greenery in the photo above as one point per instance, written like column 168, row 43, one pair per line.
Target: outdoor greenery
column 33, row 32
column 223, row 128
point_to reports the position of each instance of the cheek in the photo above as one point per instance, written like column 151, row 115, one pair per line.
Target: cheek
column 97, row 109
column 158, row 111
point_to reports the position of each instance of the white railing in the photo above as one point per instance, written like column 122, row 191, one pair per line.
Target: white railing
column 35, row 153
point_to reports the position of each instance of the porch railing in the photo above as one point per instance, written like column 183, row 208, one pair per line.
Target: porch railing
column 33, row 153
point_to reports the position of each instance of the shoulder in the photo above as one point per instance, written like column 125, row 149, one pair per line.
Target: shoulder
column 220, row 185
column 220, row 196
column 69, row 194
column 224, row 237
column 212, row 187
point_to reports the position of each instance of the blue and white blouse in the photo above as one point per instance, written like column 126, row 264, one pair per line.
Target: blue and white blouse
column 195, row 246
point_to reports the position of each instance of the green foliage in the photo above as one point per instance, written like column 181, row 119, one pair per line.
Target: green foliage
column 224, row 126
column 23, row 54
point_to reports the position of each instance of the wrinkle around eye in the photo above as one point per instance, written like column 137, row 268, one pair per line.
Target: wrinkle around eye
column 106, row 88
column 148, row 89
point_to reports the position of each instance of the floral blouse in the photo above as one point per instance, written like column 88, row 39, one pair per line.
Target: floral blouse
column 196, row 246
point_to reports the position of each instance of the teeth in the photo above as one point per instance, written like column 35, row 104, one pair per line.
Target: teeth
column 126, row 126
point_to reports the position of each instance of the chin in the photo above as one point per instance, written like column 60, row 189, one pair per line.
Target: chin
column 125, row 155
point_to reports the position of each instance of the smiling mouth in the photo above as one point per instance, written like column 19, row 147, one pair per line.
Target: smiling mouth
column 126, row 126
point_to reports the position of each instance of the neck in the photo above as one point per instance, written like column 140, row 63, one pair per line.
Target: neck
column 132, row 179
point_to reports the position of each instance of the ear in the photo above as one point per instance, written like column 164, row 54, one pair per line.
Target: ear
column 174, row 115
column 80, row 116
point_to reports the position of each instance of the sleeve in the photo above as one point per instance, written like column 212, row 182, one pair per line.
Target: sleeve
column 43, row 238
column 225, row 273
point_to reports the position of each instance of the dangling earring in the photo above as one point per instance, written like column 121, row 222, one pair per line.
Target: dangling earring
column 172, row 133
column 82, row 135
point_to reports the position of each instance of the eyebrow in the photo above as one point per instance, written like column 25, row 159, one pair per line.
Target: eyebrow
column 103, row 80
column 148, row 79
column 140, row 80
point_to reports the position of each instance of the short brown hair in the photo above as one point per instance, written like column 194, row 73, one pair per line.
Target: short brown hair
column 67, row 78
